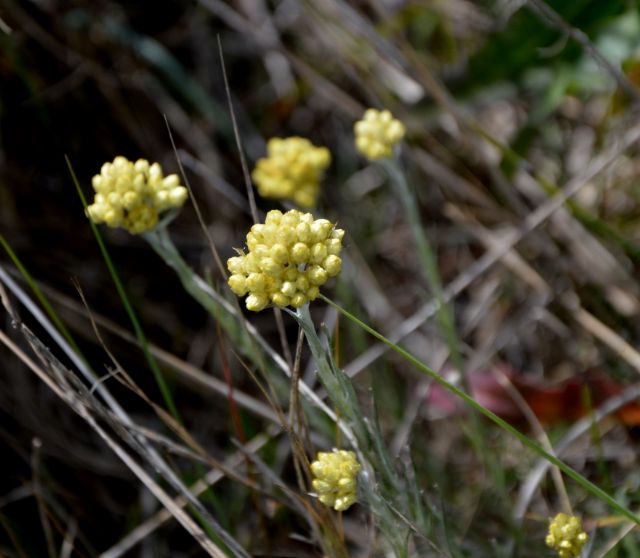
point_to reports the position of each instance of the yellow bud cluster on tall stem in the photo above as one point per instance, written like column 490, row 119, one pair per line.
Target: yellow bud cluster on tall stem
column 377, row 134
column 290, row 256
column 292, row 170
column 132, row 195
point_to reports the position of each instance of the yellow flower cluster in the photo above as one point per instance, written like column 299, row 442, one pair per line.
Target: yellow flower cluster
column 377, row 133
column 292, row 170
column 335, row 478
column 131, row 195
column 290, row 257
column 566, row 535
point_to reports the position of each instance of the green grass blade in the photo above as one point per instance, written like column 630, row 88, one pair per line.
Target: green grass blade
column 525, row 440
column 428, row 261
column 42, row 299
column 142, row 339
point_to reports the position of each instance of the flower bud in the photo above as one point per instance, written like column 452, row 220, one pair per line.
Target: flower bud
column 289, row 258
column 131, row 195
column 292, row 169
column 377, row 133
column 335, row 475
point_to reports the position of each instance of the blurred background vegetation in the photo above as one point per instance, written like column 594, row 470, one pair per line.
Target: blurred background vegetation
column 505, row 103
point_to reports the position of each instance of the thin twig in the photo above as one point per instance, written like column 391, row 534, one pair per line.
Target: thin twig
column 236, row 133
column 196, row 206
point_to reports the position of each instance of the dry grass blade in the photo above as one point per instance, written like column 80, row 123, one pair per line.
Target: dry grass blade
column 604, row 333
column 620, row 535
column 120, row 421
column 139, row 533
column 209, row 547
column 205, row 229
column 512, row 196
column 580, row 428
column 188, row 373
column 195, row 449
column 236, row 133
column 569, row 300
column 66, row 551
column 500, row 249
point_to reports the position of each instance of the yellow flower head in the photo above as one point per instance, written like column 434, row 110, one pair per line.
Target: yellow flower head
column 290, row 257
column 335, row 478
column 377, row 133
column 292, row 170
column 131, row 195
column 566, row 535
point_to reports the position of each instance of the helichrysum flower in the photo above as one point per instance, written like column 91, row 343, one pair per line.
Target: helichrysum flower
column 335, row 480
column 566, row 535
column 292, row 170
column 132, row 195
column 377, row 133
column 289, row 258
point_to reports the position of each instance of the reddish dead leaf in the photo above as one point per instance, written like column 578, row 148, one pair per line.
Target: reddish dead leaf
column 552, row 403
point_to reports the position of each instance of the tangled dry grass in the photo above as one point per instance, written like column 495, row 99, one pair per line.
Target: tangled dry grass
column 520, row 157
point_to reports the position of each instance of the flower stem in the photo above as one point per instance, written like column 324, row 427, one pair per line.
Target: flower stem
column 428, row 261
column 525, row 440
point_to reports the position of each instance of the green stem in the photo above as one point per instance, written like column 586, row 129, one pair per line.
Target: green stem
column 337, row 384
column 372, row 453
column 429, row 263
column 427, row 258
column 525, row 440
column 124, row 297
column 161, row 242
